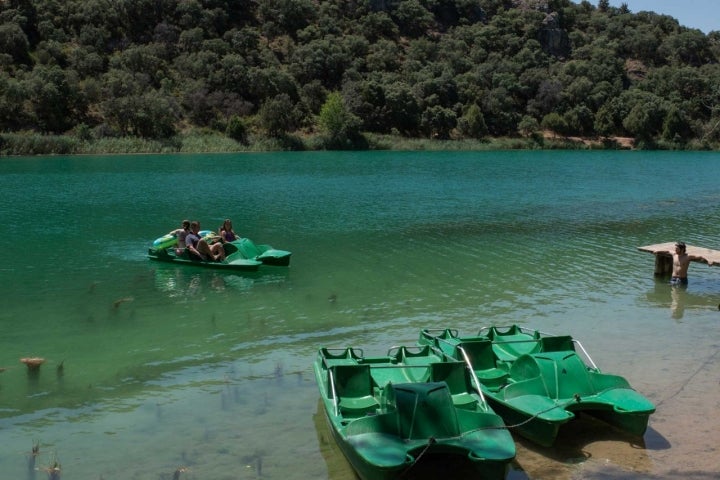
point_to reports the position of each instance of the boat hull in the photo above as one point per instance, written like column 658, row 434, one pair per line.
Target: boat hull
column 540, row 431
column 422, row 464
column 231, row 263
column 537, row 382
column 386, row 426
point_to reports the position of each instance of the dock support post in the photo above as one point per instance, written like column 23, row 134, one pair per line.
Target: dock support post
column 663, row 265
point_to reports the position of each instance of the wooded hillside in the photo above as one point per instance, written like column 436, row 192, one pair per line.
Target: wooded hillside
column 442, row 69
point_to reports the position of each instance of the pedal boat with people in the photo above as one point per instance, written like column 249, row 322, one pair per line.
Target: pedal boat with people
column 537, row 381
column 240, row 255
column 392, row 414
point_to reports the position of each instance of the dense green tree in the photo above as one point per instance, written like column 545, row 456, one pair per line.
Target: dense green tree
column 14, row 42
column 472, row 123
column 645, row 118
column 236, row 129
column 608, row 120
column 500, row 111
column 555, row 122
column 12, row 99
column 676, row 126
column 279, row 116
column 528, row 126
column 52, row 94
column 286, row 16
column 339, row 126
column 402, row 108
column 413, row 18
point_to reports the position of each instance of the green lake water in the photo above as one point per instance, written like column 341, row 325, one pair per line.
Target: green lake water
column 151, row 368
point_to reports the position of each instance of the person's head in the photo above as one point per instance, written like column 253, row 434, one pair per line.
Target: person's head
column 227, row 224
column 185, row 224
column 195, row 226
column 680, row 247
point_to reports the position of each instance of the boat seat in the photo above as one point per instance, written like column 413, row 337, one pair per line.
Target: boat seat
column 354, row 388
column 510, row 344
column 563, row 374
column 557, row 343
column 457, row 378
column 481, row 356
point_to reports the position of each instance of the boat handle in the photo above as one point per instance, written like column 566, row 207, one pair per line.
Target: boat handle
column 472, row 372
column 334, row 396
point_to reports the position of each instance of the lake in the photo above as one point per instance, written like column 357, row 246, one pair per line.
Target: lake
column 152, row 370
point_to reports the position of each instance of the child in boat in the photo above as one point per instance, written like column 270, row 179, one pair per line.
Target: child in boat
column 226, row 232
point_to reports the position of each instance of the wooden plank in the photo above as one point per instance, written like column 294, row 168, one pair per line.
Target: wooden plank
column 699, row 254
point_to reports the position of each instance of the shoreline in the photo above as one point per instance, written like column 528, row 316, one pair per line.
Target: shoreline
column 31, row 144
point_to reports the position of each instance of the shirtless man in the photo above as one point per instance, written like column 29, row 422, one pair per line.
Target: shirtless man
column 200, row 248
column 681, row 263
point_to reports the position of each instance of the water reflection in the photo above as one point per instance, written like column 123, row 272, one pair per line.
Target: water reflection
column 338, row 467
column 190, row 282
column 679, row 298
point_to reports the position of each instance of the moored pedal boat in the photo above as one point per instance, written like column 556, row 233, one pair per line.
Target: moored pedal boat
column 537, row 381
column 388, row 412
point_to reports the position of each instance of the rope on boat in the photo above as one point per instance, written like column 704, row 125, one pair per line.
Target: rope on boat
column 431, row 442
column 576, row 398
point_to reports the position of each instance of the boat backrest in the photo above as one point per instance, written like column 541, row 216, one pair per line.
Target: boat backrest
column 557, row 343
column 454, row 374
column 340, row 356
column 229, row 248
column 564, row 374
column 352, row 380
column 424, row 410
column 479, row 352
column 247, row 248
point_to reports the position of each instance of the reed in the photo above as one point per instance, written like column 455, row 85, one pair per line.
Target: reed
column 37, row 144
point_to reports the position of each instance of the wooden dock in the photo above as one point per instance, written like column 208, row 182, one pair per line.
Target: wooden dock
column 663, row 256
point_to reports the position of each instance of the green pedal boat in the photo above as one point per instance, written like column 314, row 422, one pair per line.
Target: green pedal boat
column 537, row 381
column 388, row 414
column 241, row 254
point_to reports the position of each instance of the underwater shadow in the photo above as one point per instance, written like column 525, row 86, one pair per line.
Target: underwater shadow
column 583, row 439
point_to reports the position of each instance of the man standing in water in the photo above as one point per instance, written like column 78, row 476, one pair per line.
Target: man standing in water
column 681, row 263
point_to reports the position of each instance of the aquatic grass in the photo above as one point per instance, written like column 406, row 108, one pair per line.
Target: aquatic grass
column 394, row 142
column 198, row 142
column 37, row 144
column 119, row 145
